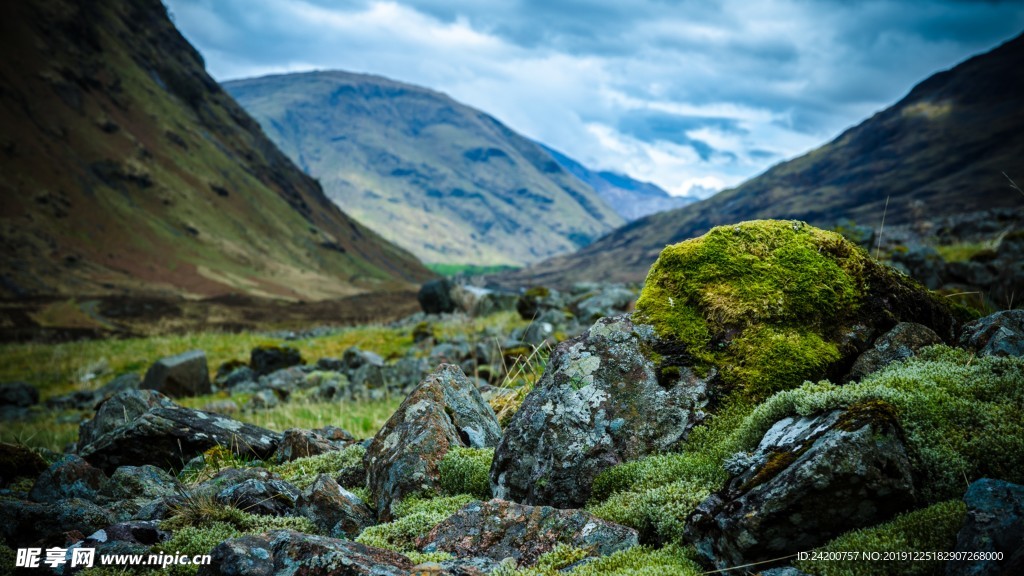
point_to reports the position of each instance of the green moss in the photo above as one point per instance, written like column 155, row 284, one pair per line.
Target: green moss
column 672, row 560
column 198, row 512
column 658, row 514
column 195, row 540
column 8, row 557
column 414, row 518
column 930, row 529
column 768, row 301
column 963, row 416
column 303, row 471
column 467, row 471
column 423, row 557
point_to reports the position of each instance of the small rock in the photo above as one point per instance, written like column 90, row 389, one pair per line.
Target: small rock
column 178, row 376
column 336, row 511
column 435, row 297
column 299, row 443
column 1000, row 334
column 69, row 477
column 146, row 482
column 18, row 461
column 499, row 529
column 995, row 524
column 267, row 359
column 900, row 343
column 32, row 523
column 272, row 497
column 262, row 400
column 19, row 394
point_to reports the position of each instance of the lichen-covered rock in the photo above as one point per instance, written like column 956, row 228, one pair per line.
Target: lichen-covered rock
column 538, row 300
column 185, row 374
column 500, row 529
column 336, row 511
column 272, row 497
column 68, row 477
column 809, row 480
column 602, row 401
column 477, row 301
column 445, row 410
column 900, row 343
column 150, row 429
column 31, row 523
column 139, row 482
column 268, row 359
column 132, row 488
column 771, row 304
column 999, row 334
column 995, row 524
column 290, row 552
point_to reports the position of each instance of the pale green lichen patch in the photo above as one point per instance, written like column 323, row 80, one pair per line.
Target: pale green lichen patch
column 767, row 302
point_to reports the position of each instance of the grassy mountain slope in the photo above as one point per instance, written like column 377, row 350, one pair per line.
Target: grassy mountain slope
column 631, row 198
column 125, row 169
column 447, row 182
column 939, row 151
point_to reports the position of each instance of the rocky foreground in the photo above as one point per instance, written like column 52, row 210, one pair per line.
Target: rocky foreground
column 776, row 398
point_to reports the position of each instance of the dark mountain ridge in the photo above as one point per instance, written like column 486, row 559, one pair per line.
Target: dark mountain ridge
column 942, row 150
column 127, row 170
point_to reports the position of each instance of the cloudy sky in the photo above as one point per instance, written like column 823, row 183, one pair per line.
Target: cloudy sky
column 693, row 95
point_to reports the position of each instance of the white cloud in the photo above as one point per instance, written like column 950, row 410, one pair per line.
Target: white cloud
column 721, row 90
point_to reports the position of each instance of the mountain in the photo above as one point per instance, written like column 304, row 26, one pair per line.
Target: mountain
column 940, row 151
column 630, row 198
column 443, row 180
column 126, row 170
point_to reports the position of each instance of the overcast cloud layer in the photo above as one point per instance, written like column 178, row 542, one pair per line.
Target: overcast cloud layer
column 692, row 95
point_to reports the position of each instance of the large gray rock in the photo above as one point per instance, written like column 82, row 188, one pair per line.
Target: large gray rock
column 995, row 524
column 144, row 427
column 900, row 343
column 288, row 552
column 810, row 480
column 600, row 402
column 446, row 410
column 999, row 334
column 186, row 374
column 68, row 477
column 336, row 511
column 500, row 529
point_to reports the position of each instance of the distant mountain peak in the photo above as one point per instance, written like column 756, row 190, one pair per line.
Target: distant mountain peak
column 449, row 183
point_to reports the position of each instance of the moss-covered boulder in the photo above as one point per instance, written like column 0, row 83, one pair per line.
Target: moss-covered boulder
column 774, row 303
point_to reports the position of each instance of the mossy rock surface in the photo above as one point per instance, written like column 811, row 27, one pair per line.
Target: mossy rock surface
column 774, row 303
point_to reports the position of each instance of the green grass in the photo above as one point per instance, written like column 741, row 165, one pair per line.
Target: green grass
column 963, row 251
column 468, row 269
